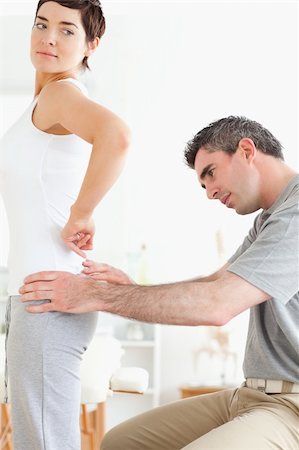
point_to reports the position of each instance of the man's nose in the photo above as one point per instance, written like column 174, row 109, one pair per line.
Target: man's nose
column 212, row 193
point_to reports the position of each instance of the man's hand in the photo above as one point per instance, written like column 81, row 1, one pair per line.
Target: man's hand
column 67, row 292
column 104, row 272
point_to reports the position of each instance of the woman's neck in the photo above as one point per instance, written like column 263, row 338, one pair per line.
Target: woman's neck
column 42, row 79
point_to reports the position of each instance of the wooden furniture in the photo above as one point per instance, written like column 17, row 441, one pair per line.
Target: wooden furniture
column 5, row 428
column 191, row 391
column 92, row 426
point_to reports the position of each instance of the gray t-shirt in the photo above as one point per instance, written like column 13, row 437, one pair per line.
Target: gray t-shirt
column 268, row 259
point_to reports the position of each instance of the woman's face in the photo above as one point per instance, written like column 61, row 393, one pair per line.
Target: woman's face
column 58, row 39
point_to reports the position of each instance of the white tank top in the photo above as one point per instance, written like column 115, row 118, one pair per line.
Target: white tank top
column 40, row 178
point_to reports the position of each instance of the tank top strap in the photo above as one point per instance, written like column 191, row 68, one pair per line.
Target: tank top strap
column 77, row 83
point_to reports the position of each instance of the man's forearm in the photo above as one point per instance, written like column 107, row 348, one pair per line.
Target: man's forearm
column 177, row 304
column 190, row 303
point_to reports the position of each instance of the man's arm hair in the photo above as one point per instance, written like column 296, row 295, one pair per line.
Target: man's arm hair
column 185, row 303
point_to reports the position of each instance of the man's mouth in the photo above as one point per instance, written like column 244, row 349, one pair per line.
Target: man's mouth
column 225, row 199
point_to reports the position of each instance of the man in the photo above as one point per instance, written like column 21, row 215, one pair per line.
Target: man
column 241, row 164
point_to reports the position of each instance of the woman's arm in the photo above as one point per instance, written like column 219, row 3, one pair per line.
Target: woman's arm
column 65, row 105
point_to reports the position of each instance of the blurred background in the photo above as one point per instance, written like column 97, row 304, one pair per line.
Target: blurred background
column 168, row 68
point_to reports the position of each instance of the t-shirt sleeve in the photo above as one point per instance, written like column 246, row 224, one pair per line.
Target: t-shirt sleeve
column 268, row 259
column 250, row 238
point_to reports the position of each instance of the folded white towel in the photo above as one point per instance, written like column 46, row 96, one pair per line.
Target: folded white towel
column 129, row 379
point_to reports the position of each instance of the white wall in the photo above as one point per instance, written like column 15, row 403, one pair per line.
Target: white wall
column 185, row 65
column 169, row 68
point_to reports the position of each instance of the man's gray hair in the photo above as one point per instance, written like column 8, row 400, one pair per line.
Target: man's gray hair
column 225, row 134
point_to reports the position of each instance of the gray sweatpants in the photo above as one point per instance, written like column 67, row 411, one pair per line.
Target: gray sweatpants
column 44, row 352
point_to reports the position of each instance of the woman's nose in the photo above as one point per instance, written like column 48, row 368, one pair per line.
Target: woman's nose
column 49, row 39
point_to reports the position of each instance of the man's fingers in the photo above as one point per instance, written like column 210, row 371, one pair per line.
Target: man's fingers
column 41, row 276
column 45, row 307
column 37, row 286
column 91, row 266
column 36, row 295
column 104, row 272
column 112, row 277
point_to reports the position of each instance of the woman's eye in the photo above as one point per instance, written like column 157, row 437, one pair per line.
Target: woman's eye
column 68, row 32
column 40, row 26
column 211, row 172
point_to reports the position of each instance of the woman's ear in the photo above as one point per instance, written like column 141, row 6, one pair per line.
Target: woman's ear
column 247, row 148
column 92, row 46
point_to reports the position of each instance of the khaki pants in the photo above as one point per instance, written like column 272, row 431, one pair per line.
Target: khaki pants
column 238, row 419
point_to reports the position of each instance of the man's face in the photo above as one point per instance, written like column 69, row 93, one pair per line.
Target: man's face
column 229, row 178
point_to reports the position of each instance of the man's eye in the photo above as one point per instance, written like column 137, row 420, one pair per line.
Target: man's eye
column 211, row 172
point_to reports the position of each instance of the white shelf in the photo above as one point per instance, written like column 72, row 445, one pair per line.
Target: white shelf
column 3, row 298
column 143, row 353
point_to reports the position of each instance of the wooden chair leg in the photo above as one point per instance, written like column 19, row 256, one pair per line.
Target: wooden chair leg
column 86, row 429
column 92, row 426
column 5, row 428
column 100, row 422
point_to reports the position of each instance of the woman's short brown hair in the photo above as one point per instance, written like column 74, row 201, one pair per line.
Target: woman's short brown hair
column 92, row 17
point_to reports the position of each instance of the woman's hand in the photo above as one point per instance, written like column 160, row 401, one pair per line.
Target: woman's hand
column 78, row 234
column 104, row 272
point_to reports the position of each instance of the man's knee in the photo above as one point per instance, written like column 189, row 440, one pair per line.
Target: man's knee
column 112, row 440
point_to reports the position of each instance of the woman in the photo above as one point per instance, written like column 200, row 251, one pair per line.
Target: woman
column 56, row 164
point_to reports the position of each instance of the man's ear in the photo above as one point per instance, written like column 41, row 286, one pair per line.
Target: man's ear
column 248, row 149
column 92, row 46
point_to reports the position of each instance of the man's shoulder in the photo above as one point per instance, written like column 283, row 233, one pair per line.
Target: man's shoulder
column 291, row 204
column 285, row 209
column 292, row 195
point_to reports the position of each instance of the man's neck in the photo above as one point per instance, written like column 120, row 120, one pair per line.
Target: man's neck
column 275, row 176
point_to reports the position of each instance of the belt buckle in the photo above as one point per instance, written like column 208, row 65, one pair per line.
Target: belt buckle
column 261, row 385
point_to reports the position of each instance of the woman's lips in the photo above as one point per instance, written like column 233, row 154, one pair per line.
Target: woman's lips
column 46, row 54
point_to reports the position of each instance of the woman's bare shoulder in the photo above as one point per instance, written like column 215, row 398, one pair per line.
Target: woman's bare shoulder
column 60, row 91
column 64, row 104
column 52, row 99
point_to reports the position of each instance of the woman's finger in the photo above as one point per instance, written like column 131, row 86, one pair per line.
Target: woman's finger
column 76, row 249
column 84, row 240
column 87, row 247
column 84, row 243
column 74, row 238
